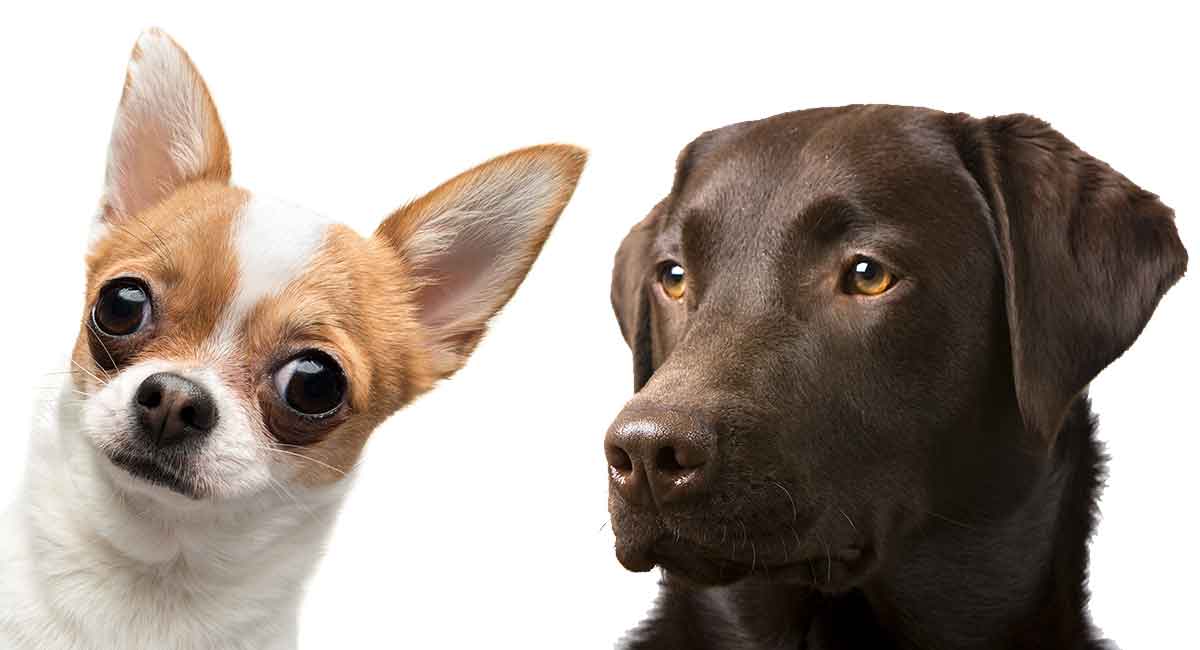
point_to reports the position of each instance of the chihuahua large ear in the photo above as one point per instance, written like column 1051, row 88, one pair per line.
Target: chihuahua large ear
column 1086, row 256
column 166, row 132
column 470, row 242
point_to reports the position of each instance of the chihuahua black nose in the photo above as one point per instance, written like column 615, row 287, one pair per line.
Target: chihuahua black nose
column 658, row 458
column 171, row 409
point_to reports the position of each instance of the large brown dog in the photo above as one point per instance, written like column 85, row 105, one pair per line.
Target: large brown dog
column 862, row 339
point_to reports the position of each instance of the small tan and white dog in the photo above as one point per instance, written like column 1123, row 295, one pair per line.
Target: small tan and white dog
column 234, row 355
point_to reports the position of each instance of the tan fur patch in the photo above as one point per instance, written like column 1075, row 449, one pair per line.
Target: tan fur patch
column 353, row 303
column 181, row 249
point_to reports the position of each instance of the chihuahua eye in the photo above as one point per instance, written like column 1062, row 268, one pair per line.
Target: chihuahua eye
column 123, row 307
column 673, row 280
column 311, row 384
column 867, row 277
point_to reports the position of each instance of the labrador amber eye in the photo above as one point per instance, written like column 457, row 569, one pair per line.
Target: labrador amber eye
column 311, row 384
column 123, row 308
column 868, row 278
column 673, row 280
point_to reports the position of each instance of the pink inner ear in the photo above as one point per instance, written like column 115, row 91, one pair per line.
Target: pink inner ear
column 465, row 281
column 142, row 171
column 471, row 241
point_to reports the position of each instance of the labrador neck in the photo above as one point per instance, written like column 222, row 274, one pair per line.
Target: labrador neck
column 1017, row 582
column 1013, row 583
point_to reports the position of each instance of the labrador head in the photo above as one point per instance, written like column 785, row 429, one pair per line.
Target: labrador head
column 848, row 322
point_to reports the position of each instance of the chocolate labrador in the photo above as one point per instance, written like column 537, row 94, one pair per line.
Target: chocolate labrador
column 862, row 339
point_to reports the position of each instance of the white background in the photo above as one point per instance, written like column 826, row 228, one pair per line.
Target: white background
column 478, row 517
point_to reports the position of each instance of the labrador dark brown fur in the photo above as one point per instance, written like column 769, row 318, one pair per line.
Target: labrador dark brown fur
column 817, row 468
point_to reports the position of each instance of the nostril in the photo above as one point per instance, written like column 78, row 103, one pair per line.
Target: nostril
column 666, row 460
column 618, row 459
column 679, row 459
column 200, row 414
column 149, row 396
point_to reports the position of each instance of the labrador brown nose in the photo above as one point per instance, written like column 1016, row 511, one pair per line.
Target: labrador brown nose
column 658, row 458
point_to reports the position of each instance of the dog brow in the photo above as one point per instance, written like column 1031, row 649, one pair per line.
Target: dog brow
column 838, row 218
column 834, row 217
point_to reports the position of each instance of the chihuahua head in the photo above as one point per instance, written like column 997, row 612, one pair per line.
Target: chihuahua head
column 232, row 343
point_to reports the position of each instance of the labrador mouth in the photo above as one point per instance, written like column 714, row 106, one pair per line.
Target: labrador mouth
column 155, row 473
column 787, row 558
column 834, row 571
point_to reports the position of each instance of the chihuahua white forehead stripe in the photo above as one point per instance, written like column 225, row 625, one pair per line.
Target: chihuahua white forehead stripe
column 275, row 242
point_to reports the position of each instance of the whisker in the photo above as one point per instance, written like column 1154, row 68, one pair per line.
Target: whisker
column 312, row 515
column 308, row 458
column 799, row 542
column 273, row 483
column 162, row 242
column 161, row 255
column 104, row 347
column 69, row 372
column 953, row 521
column 944, row 518
column 795, row 514
column 281, row 446
column 828, row 558
column 60, row 388
column 848, row 519
column 90, row 374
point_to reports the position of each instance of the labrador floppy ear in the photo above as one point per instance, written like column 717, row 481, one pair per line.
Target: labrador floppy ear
column 166, row 132
column 470, row 242
column 633, row 276
column 630, row 294
column 1086, row 256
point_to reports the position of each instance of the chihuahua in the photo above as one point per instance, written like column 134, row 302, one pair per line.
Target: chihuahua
column 234, row 355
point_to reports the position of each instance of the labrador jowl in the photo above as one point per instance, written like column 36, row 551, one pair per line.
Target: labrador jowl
column 862, row 339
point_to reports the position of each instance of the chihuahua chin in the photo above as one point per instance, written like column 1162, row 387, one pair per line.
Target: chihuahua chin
column 234, row 355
